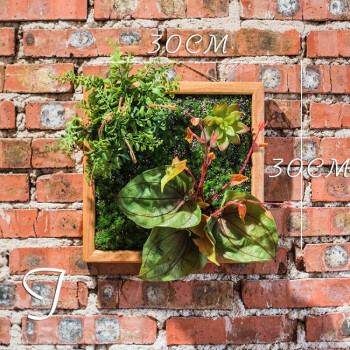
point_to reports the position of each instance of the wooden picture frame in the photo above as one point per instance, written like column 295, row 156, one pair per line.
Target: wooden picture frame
column 256, row 90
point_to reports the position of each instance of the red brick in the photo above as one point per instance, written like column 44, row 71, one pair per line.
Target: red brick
column 267, row 9
column 327, row 328
column 59, row 223
column 15, row 153
column 331, row 43
column 240, row 330
column 245, row 42
column 101, row 329
column 296, row 294
column 2, row 78
column 34, row 78
column 43, row 158
column 319, row 10
column 345, row 116
column 326, row 257
column 291, row 149
column 282, row 114
column 158, row 9
column 70, row 259
column 60, row 188
column 340, row 79
column 276, row 266
column 282, row 188
column 316, row 221
column 86, row 42
column 337, row 148
column 7, row 41
column 5, row 328
column 19, row 298
column 274, row 77
column 330, row 189
column 37, row 10
column 180, row 70
column 18, row 223
column 7, row 115
column 316, row 79
column 193, row 331
column 49, row 115
column 325, row 116
column 14, row 188
column 117, row 269
column 176, row 295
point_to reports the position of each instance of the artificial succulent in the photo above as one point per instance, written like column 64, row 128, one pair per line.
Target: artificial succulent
column 226, row 122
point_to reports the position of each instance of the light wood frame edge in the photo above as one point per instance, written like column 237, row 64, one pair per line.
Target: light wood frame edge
column 90, row 254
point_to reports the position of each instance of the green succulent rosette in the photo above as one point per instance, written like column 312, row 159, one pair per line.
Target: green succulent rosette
column 226, row 122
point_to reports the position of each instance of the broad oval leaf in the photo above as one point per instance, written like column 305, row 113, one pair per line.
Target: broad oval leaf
column 170, row 254
column 254, row 240
column 142, row 201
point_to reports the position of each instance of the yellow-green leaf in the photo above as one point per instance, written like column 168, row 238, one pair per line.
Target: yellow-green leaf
column 176, row 168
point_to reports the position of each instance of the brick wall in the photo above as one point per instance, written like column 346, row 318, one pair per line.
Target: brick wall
column 298, row 300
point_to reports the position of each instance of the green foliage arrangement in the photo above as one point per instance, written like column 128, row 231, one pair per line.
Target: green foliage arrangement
column 118, row 123
column 187, row 230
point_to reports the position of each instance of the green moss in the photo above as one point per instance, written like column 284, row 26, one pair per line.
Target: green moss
column 113, row 230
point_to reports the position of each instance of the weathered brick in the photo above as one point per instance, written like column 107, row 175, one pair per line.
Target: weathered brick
column 240, row 330
column 179, row 70
column 7, row 115
column 101, row 329
column 327, row 328
column 60, row 188
column 296, row 294
column 245, row 42
column 330, row 189
column 325, row 10
column 5, row 327
column 160, row 9
column 274, row 77
column 16, row 297
column 345, row 116
column 176, row 295
column 42, row 158
column 282, row 114
column 7, row 41
column 325, row 116
column 316, row 221
column 2, row 77
column 316, row 79
column 70, row 259
column 326, row 257
column 86, row 42
column 291, row 149
column 340, row 79
column 337, row 148
column 282, row 188
column 59, row 223
column 15, row 153
column 49, row 115
column 34, row 78
column 37, row 10
column 330, row 43
column 14, row 188
column 18, row 223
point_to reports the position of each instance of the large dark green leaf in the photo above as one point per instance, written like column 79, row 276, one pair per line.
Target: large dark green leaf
column 142, row 201
column 170, row 254
column 254, row 240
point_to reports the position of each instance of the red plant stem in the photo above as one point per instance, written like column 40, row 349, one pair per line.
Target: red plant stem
column 193, row 178
column 223, row 188
column 287, row 204
column 204, row 161
column 198, row 138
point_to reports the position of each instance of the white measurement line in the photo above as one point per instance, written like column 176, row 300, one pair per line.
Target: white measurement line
column 301, row 154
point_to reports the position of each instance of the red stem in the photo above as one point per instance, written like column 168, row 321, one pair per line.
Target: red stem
column 193, row 178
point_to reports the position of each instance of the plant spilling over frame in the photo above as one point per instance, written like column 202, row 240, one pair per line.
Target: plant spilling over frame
column 118, row 123
column 187, row 229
